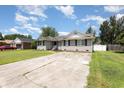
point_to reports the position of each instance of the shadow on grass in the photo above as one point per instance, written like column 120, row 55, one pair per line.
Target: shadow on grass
column 120, row 52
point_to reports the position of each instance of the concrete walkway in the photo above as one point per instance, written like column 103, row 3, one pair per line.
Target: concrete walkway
column 61, row 70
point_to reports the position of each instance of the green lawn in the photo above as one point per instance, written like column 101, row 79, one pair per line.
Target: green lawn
column 17, row 55
column 106, row 70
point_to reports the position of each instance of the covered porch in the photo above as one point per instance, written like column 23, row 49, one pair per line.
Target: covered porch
column 47, row 45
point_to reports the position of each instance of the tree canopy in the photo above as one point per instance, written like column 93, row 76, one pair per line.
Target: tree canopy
column 49, row 31
column 112, row 31
column 14, row 36
column 90, row 31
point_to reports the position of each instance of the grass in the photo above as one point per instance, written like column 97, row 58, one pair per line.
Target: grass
column 106, row 70
column 17, row 55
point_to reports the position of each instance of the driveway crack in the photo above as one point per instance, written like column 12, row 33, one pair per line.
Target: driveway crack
column 24, row 75
column 37, row 68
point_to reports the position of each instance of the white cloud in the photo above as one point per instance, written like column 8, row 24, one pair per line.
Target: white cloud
column 24, row 19
column 77, row 22
column 31, row 28
column 34, row 19
column 99, row 19
column 68, row 11
column 33, row 10
column 13, row 30
column 93, row 27
column 113, row 8
column 119, row 16
column 45, row 25
column 26, row 23
column 21, row 18
column 63, row 33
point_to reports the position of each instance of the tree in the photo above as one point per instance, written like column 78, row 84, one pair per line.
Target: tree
column 104, row 34
column 112, row 31
column 120, row 39
column 76, row 32
column 113, row 27
column 1, row 36
column 49, row 31
column 29, row 36
column 14, row 36
column 120, row 31
column 90, row 31
column 97, row 40
column 34, row 44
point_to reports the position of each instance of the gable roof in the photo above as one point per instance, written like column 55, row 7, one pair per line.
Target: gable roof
column 6, row 41
column 70, row 36
column 24, row 39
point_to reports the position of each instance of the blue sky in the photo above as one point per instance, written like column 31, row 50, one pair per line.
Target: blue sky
column 29, row 19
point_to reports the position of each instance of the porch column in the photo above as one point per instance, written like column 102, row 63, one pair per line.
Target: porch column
column 22, row 45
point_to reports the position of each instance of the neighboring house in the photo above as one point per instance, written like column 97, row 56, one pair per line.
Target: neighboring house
column 6, row 42
column 70, row 42
column 22, row 43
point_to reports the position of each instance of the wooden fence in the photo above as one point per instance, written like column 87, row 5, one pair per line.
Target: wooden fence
column 115, row 47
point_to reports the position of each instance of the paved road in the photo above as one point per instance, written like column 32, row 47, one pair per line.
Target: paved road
column 61, row 70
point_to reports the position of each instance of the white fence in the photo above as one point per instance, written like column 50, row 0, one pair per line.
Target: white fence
column 99, row 47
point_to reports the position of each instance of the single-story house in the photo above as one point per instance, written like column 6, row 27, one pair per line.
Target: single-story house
column 70, row 42
column 22, row 43
column 6, row 42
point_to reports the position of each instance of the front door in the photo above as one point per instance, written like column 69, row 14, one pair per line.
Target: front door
column 55, row 45
column 18, row 46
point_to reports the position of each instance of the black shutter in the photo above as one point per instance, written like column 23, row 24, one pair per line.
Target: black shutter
column 68, row 42
column 85, row 42
column 64, row 42
column 75, row 42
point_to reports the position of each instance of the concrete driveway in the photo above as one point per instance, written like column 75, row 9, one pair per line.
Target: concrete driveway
column 60, row 70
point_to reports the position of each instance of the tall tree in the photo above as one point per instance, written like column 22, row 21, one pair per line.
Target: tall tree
column 49, row 31
column 34, row 44
column 1, row 36
column 104, row 34
column 90, row 31
column 120, row 38
column 29, row 36
column 112, row 31
column 113, row 27
column 120, row 31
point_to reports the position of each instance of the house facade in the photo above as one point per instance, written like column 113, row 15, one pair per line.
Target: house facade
column 70, row 42
column 22, row 43
column 6, row 42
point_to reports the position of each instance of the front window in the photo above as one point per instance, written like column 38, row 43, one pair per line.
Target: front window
column 66, row 43
column 72, row 42
column 83, row 42
column 79, row 43
column 89, row 42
